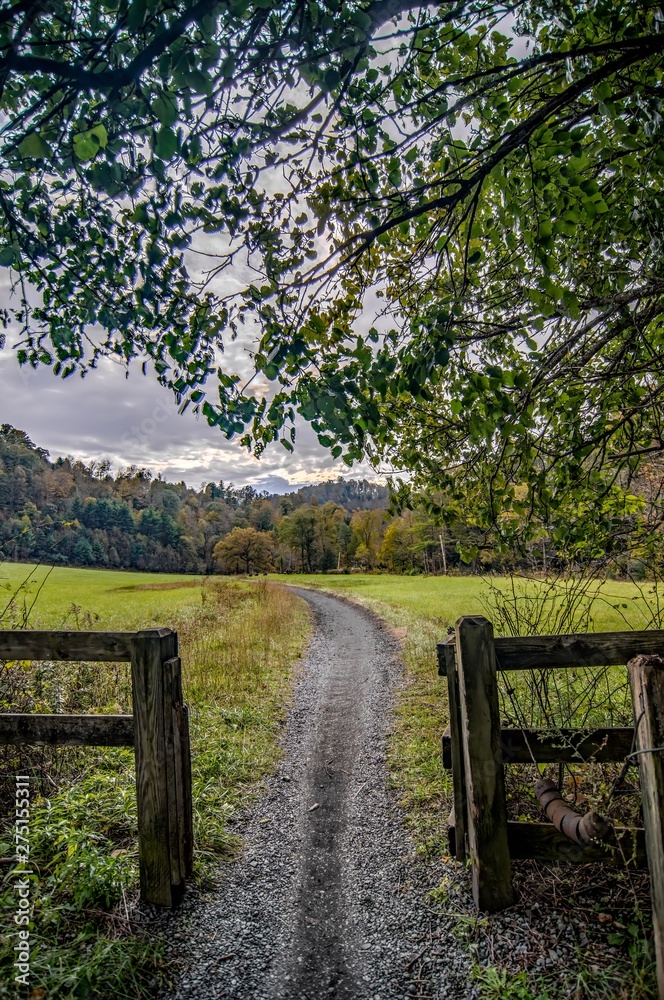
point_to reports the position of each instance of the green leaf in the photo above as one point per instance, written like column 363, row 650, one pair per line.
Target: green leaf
column 165, row 108
column 199, row 82
column 87, row 144
column 136, row 14
column 166, row 143
column 331, row 78
column 34, row 147
column 361, row 19
column 7, row 256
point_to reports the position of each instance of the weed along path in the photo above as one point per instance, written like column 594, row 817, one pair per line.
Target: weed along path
column 326, row 899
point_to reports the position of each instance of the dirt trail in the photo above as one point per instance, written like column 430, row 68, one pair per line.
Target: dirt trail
column 324, row 901
column 356, row 655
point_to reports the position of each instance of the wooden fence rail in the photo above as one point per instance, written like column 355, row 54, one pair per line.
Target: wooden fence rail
column 477, row 748
column 83, row 646
column 158, row 730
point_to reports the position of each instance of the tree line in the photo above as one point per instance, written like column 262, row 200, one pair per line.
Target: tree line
column 68, row 513
column 65, row 512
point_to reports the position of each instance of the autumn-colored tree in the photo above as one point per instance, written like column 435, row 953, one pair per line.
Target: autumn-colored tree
column 400, row 548
column 244, row 550
column 298, row 530
column 367, row 525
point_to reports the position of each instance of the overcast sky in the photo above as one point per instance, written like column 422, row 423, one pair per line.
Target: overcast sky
column 134, row 421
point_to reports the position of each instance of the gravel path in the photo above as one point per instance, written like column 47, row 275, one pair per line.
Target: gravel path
column 327, row 899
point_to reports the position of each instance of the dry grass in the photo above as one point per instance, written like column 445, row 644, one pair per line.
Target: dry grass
column 236, row 639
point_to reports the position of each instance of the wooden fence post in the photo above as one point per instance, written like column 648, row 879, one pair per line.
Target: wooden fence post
column 179, row 766
column 485, row 782
column 458, row 768
column 185, row 751
column 155, row 672
column 646, row 676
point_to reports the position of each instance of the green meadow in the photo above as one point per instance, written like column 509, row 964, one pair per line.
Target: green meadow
column 56, row 598
column 440, row 600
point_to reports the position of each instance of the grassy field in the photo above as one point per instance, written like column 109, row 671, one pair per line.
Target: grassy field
column 440, row 600
column 56, row 598
column 63, row 593
column 238, row 643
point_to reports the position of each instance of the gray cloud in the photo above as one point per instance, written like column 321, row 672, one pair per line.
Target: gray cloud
column 133, row 420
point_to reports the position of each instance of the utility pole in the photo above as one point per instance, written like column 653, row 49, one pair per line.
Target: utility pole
column 441, row 537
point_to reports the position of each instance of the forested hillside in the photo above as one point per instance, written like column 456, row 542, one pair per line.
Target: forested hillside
column 66, row 512
column 69, row 513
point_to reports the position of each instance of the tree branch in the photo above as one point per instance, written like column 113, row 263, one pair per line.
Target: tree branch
column 512, row 141
column 114, row 79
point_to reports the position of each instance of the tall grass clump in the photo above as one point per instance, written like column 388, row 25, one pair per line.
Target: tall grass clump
column 238, row 646
column 569, row 697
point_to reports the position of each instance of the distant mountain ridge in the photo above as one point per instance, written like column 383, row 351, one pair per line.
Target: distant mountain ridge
column 352, row 494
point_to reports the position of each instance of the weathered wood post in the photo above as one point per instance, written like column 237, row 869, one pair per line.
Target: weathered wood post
column 179, row 772
column 456, row 741
column 485, row 781
column 646, row 676
column 183, row 754
column 160, row 786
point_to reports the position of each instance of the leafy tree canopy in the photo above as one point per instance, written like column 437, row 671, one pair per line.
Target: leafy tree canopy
column 489, row 176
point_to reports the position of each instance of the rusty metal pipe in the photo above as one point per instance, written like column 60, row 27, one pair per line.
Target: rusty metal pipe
column 582, row 829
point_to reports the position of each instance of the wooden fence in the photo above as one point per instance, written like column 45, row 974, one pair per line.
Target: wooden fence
column 476, row 748
column 158, row 730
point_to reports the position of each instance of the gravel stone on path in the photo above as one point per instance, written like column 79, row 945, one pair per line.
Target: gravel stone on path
column 327, row 898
